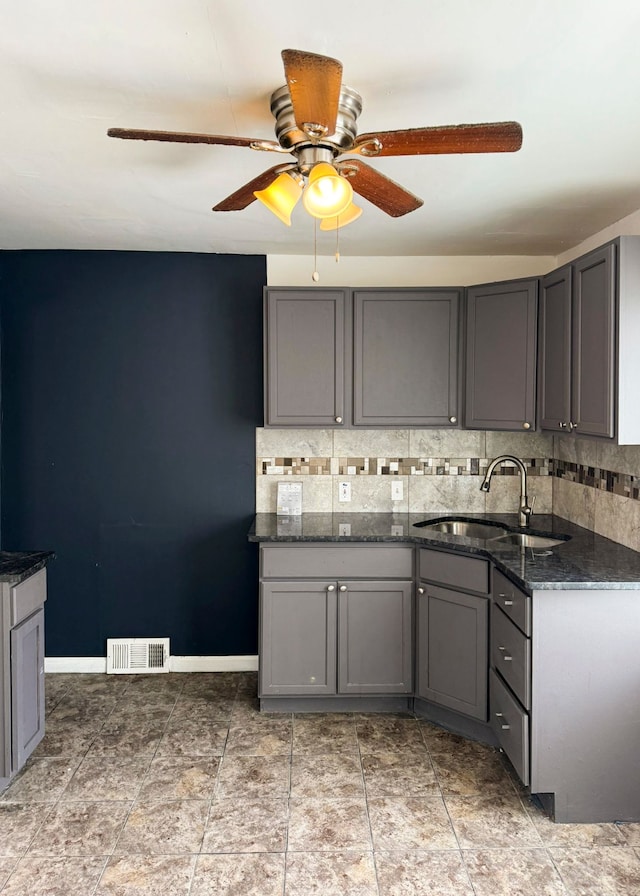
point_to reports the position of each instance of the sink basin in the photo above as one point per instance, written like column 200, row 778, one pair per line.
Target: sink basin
column 464, row 528
column 531, row 541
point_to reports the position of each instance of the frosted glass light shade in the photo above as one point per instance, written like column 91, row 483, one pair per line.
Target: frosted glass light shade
column 327, row 194
column 352, row 213
column 281, row 196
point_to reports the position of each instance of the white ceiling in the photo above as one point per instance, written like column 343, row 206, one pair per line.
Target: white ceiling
column 567, row 70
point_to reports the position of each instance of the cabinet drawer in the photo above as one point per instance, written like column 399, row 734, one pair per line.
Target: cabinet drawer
column 514, row 602
column 454, row 570
column 510, row 724
column 28, row 596
column 511, row 655
column 336, row 561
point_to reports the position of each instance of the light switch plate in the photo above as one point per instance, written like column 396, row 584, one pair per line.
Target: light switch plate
column 344, row 491
column 397, row 490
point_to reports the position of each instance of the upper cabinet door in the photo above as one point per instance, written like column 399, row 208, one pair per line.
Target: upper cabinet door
column 306, row 335
column 501, row 336
column 554, row 366
column 406, row 357
column 594, row 309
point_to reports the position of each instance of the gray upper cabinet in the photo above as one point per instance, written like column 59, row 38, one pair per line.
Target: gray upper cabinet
column 307, row 333
column 554, row 365
column 406, row 357
column 501, row 340
column 589, row 363
column 577, row 350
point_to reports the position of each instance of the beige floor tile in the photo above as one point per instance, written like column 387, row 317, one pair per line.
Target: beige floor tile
column 396, row 774
column 54, row 876
column 147, row 876
column 331, row 874
column 212, row 684
column 19, row 823
column 216, row 710
column 422, row 873
column 164, row 828
column 472, row 773
column 106, row 778
column 603, row 871
column 259, row 777
column 577, row 835
column 328, row 775
column 253, row 874
column 6, row 867
column 239, row 826
column 128, row 734
column 80, row 829
column 266, row 738
column 41, row 780
column 315, row 736
column 390, row 734
column 193, row 737
column 317, row 825
column 180, row 777
column 410, row 823
column 491, row 821
column 505, row 872
column 630, row 833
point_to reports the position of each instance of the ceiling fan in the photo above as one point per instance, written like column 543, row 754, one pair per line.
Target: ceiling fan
column 315, row 121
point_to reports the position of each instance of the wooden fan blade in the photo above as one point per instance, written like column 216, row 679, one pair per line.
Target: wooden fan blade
column 177, row 137
column 502, row 136
column 380, row 189
column 244, row 196
column 314, row 84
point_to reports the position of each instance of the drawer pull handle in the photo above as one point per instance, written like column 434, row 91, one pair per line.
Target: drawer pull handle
column 506, row 656
column 504, row 727
column 508, row 603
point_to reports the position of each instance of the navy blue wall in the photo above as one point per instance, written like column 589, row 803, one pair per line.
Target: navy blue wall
column 131, row 389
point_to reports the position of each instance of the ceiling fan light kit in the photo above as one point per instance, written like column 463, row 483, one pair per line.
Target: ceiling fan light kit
column 282, row 195
column 316, row 122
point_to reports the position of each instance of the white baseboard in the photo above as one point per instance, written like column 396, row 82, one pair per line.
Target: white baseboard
column 176, row 664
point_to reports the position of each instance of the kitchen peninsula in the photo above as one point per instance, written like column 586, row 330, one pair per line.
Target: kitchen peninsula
column 533, row 649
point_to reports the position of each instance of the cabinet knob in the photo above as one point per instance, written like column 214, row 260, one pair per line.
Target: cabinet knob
column 562, row 424
column 343, row 587
column 526, row 425
column 453, row 419
column 420, row 590
column 338, row 419
column 331, row 587
column 571, row 426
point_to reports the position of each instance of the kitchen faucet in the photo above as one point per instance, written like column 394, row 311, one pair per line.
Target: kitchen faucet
column 525, row 509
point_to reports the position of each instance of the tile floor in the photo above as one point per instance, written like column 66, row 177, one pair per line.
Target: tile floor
column 176, row 785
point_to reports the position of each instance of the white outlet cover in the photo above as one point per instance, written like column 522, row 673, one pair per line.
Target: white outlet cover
column 344, row 491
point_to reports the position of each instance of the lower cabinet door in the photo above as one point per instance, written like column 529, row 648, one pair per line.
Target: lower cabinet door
column 452, row 649
column 27, row 688
column 297, row 638
column 375, row 653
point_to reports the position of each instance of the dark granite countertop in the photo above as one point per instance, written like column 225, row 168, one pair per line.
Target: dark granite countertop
column 587, row 560
column 15, row 566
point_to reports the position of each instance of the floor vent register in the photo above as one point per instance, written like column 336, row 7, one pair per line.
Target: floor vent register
column 131, row 655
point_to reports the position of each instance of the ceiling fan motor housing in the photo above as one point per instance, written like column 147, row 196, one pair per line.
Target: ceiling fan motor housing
column 291, row 137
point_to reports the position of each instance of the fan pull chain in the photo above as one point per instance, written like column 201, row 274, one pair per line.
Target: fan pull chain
column 315, row 276
column 338, row 240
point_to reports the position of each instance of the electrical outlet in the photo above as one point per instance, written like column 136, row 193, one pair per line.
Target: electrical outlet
column 344, row 528
column 344, row 491
column 397, row 490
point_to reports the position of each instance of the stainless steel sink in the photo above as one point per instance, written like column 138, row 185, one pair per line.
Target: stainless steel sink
column 465, row 528
column 526, row 540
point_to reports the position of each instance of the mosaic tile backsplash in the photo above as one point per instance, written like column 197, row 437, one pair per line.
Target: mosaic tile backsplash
column 594, row 484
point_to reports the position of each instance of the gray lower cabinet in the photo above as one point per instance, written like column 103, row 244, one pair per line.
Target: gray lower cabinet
column 375, row 637
column 501, row 344
column 22, row 716
column 334, row 632
column 406, row 357
column 453, row 632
